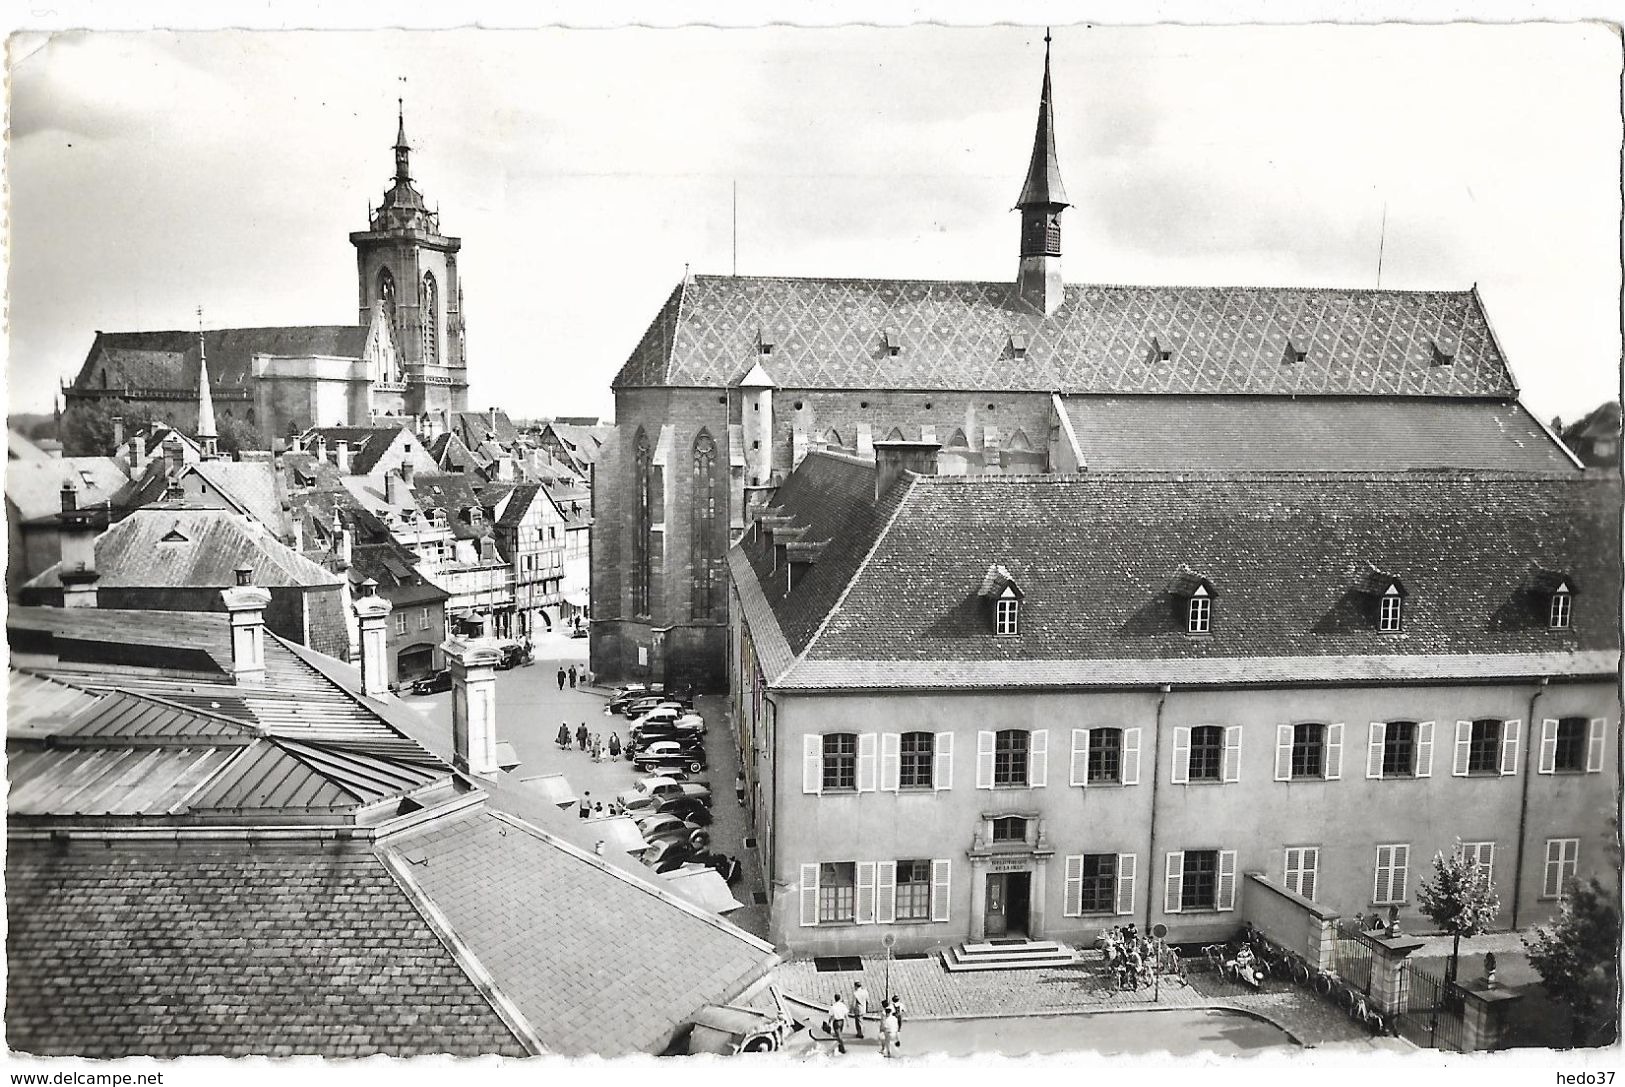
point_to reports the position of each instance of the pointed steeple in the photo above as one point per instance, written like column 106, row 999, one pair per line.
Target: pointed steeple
column 1043, row 197
column 206, row 434
column 403, row 166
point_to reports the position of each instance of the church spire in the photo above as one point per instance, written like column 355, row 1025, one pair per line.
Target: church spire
column 403, row 167
column 206, row 435
column 1043, row 197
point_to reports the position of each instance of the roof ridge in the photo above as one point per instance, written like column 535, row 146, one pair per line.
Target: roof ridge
column 851, row 582
column 1268, row 475
column 1273, row 288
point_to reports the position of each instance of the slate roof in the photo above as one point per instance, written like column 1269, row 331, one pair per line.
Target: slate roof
column 34, row 487
column 1249, row 433
column 453, row 492
column 449, row 451
column 252, row 485
column 170, row 359
column 474, row 427
column 1094, row 555
column 520, row 499
column 230, row 951
column 179, row 546
column 367, row 444
column 956, row 335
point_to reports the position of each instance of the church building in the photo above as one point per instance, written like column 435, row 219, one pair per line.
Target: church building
column 738, row 378
column 404, row 359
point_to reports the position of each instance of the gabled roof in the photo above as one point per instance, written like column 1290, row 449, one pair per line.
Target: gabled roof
column 520, row 500
column 19, row 447
column 475, row 427
column 171, row 359
column 35, row 486
column 957, row 335
column 252, row 486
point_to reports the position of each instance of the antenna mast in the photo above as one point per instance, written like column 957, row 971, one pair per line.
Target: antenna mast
column 1382, row 242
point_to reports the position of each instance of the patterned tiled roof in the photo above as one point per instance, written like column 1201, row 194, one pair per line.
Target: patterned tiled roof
column 1324, row 433
column 170, row 359
column 199, row 950
column 828, row 333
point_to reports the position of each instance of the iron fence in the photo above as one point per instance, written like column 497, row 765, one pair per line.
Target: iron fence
column 1352, row 950
column 1432, row 1014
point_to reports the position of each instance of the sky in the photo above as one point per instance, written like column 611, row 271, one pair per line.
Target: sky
column 153, row 173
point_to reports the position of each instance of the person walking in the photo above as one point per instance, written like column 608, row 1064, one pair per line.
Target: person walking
column 581, row 736
column 897, row 1011
column 888, row 1030
column 614, row 745
column 586, row 805
column 564, row 735
column 561, row 679
column 572, row 676
column 837, row 1022
column 860, row 1007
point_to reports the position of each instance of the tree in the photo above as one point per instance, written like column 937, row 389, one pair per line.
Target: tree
column 1459, row 899
column 1577, row 957
column 87, row 426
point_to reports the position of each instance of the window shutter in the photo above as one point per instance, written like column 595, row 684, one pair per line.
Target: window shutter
column 866, row 762
column 1382, row 878
column 1334, row 751
column 940, row 872
column 1232, row 753
column 891, row 761
column 1072, row 904
column 1402, row 865
column 1510, row 732
column 1289, row 871
column 1373, row 749
column 1308, row 869
column 1424, row 749
column 984, row 760
column 1283, row 752
column 1486, row 861
column 1464, row 736
column 866, row 893
column 809, row 894
column 1551, row 885
column 1126, row 864
column 1182, row 757
column 1227, row 879
column 1080, row 756
column 1548, row 746
column 1038, row 758
column 812, row 764
column 1594, row 744
column 886, row 892
column 943, row 777
column 1131, row 756
column 1173, row 882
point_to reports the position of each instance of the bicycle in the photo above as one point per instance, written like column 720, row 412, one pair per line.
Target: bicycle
column 1172, row 966
column 1218, row 958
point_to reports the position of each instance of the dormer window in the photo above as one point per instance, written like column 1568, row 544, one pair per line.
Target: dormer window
column 1193, row 594
column 1297, row 349
column 1018, row 344
column 1555, row 588
column 1007, row 612
column 1390, row 610
column 1199, row 612
column 764, row 343
column 1561, row 609
column 893, row 341
column 1162, row 347
column 1444, row 350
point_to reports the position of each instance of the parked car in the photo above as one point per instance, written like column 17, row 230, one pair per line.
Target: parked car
column 655, row 823
column 637, row 707
column 514, row 655
column 668, row 856
column 727, row 1029
column 693, row 805
column 656, row 757
column 642, row 796
column 679, row 832
column 433, row 683
column 660, row 715
column 631, row 693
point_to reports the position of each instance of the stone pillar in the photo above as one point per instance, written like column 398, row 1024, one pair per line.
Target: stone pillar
column 473, row 705
column 1036, row 898
column 978, row 899
column 1390, row 982
column 1484, row 1016
column 246, row 603
column 372, row 616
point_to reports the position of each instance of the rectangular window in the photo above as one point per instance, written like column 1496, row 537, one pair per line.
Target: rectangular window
column 913, row 891
column 1099, row 883
column 1562, row 860
column 1388, row 614
column 1308, row 751
column 1399, row 750
column 840, row 761
column 1105, row 755
column 1011, row 828
column 1482, row 856
column 1392, row 875
column 1010, row 757
column 400, row 622
column 1007, row 615
column 917, row 750
column 1562, row 607
column 1570, row 754
column 1302, row 870
column 837, row 892
column 1200, row 615
column 423, row 619
column 1207, row 753
column 1199, row 888
column 1484, row 747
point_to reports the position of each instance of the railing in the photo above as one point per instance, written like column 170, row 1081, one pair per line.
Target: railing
column 1433, row 1013
column 1347, row 983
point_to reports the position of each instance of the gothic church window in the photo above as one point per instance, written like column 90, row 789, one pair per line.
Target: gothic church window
column 641, row 533
column 431, row 320
column 386, row 293
column 704, row 512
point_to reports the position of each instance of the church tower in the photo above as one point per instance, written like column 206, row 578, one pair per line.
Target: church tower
column 1038, row 280
column 408, row 267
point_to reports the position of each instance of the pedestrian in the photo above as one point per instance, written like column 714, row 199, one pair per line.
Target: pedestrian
column 572, row 676
column 598, row 808
column 581, row 736
column 888, row 1030
column 860, row 1006
column 897, row 1010
column 561, row 679
column 837, row 1022
column 614, row 745
column 564, row 735
column 586, row 805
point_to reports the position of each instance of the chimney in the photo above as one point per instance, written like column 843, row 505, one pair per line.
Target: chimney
column 246, row 603
column 70, row 495
column 138, row 456
column 321, row 447
column 892, row 459
column 341, row 455
column 76, row 530
column 174, row 465
column 407, row 471
column 118, row 434
column 491, row 420
column 343, row 540
column 394, row 489
column 473, row 706
column 372, row 615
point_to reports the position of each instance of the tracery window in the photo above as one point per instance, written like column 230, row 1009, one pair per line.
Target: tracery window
column 704, row 514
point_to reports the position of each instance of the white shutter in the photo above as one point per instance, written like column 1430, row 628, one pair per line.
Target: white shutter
column 1486, row 861
column 1552, row 884
column 1080, row 756
column 1373, row 749
column 886, row 892
column 891, row 760
column 1131, row 756
column 866, row 893
column 1548, row 747
column 812, row 764
column 1334, row 751
column 1283, row 752
column 1308, row 871
column 1382, row 879
column 1232, row 753
column 943, row 777
column 1072, row 903
column 809, row 894
column 1594, row 744
column 1289, row 870
column 1424, row 749
column 984, row 760
column 1038, row 758
column 1510, row 733
column 1227, row 879
column 866, row 762
column 1126, row 865
column 940, row 873
column 1173, row 882
column 1401, row 876
column 1182, row 756
column 1464, row 738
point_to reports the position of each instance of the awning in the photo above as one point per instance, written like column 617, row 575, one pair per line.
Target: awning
column 617, row 832
column 552, row 788
column 702, row 886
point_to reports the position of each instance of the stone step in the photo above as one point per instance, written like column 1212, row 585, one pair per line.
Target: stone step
column 1014, row 945
column 1029, row 955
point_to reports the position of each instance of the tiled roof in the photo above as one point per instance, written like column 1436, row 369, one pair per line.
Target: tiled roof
column 229, row 951
column 828, row 333
column 35, row 486
column 182, row 547
column 519, row 502
column 367, row 444
column 252, row 485
column 1094, row 554
column 474, row 427
column 1333, row 434
column 1601, row 421
column 19, row 447
column 170, row 359
column 597, row 961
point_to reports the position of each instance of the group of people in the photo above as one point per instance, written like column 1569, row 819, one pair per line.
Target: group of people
column 1131, row 956
column 593, row 742
column 891, row 1020
column 569, row 674
column 592, row 809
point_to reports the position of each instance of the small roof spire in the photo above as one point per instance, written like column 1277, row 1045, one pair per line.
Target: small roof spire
column 1043, row 186
column 205, row 399
column 403, row 168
